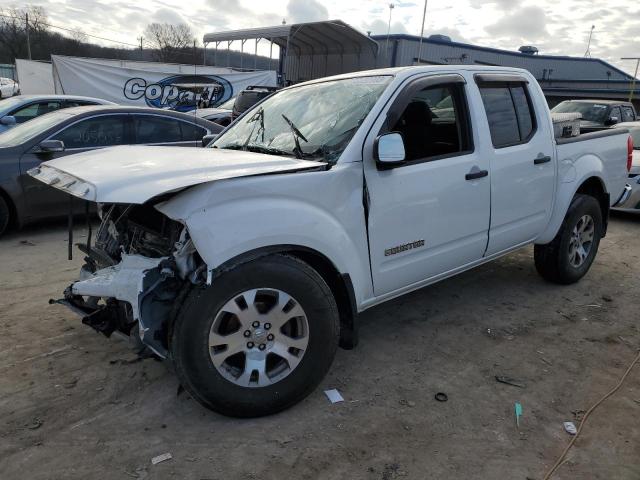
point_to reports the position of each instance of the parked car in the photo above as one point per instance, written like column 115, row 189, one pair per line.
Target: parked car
column 326, row 199
column 23, row 108
column 8, row 87
column 248, row 97
column 222, row 114
column 633, row 203
column 598, row 113
column 80, row 129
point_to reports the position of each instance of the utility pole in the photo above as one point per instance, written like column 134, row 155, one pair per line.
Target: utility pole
column 587, row 54
column 26, row 18
column 424, row 15
column 391, row 7
column 635, row 75
column 140, row 38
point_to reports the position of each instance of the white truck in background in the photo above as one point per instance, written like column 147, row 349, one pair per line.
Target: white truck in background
column 246, row 264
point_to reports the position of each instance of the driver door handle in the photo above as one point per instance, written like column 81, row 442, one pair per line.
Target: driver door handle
column 473, row 175
column 541, row 160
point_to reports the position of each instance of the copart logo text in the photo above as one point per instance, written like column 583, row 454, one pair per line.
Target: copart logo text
column 180, row 92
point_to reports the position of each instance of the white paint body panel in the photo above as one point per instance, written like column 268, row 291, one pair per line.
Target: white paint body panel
column 464, row 223
column 135, row 174
column 522, row 193
column 319, row 210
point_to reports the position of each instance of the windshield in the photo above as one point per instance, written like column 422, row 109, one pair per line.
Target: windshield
column 312, row 121
column 26, row 131
column 591, row 112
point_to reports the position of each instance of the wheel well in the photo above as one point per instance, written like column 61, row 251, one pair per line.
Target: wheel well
column 339, row 283
column 342, row 289
column 593, row 186
column 13, row 212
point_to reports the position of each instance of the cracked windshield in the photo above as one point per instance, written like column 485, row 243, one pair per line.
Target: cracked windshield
column 314, row 122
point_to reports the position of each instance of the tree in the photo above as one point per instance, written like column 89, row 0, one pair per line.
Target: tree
column 13, row 31
column 169, row 41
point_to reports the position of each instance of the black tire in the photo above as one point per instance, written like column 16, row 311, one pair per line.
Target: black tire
column 190, row 344
column 5, row 216
column 553, row 259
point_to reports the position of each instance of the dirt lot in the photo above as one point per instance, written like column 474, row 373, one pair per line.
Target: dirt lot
column 76, row 405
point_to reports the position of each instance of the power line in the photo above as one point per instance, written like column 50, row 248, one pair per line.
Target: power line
column 75, row 31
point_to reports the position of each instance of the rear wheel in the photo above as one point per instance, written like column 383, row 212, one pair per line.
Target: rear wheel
column 259, row 339
column 5, row 215
column 569, row 256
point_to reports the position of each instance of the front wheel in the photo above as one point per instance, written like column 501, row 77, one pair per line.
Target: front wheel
column 259, row 339
column 570, row 254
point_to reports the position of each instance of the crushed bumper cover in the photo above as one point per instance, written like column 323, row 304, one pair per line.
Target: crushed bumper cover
column 133, row 280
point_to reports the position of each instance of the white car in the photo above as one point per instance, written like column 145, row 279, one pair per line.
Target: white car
column 8, row 88
column 633, row 203
column 246, row 264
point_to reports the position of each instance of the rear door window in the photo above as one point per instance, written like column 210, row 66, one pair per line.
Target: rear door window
column 627, row 114
column 156, row 129
column 509, row 112
column 191, row 132
column 95, row 132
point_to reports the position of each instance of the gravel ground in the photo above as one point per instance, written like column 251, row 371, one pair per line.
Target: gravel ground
column 74, row 405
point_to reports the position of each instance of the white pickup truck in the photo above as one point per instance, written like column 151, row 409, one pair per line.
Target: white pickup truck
column 246, row 264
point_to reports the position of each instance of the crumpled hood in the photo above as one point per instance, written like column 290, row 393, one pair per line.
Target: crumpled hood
column 135, row 174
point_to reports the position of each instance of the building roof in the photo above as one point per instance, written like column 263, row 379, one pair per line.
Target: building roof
column 329, row 37
column 585, row 65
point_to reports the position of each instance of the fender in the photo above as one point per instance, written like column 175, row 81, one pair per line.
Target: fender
column 571, row 175
column 237, row 217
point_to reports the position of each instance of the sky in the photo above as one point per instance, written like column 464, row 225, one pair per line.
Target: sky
column 554, row 26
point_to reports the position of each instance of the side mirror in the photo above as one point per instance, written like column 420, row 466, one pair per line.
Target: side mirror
column 9, row 120
column 612, row 121
column 388, row 150
column 51, row 146
column 207, row 139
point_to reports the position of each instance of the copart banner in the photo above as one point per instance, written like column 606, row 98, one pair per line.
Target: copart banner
column 172, row 86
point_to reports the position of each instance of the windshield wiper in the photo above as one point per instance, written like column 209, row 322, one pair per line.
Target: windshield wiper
column 259, row 115
column 296, row 135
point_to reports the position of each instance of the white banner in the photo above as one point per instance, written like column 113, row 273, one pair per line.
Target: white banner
column 35, row 78
column 178, row 87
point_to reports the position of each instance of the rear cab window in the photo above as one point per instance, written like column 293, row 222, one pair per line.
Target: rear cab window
column 509, row 109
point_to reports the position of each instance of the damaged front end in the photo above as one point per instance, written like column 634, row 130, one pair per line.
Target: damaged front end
column 135, row 275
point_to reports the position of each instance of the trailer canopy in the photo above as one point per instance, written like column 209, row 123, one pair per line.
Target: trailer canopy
column 309, row 50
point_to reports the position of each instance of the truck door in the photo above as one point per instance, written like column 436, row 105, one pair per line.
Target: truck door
column 429, row 215
column 523, row 167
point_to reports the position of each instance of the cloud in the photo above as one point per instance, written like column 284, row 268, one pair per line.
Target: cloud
column 300, row 11
column 525, row 24
column 501, row 4
column 380, row 27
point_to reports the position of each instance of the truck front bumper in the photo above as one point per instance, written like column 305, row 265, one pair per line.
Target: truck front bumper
column 131, row 281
